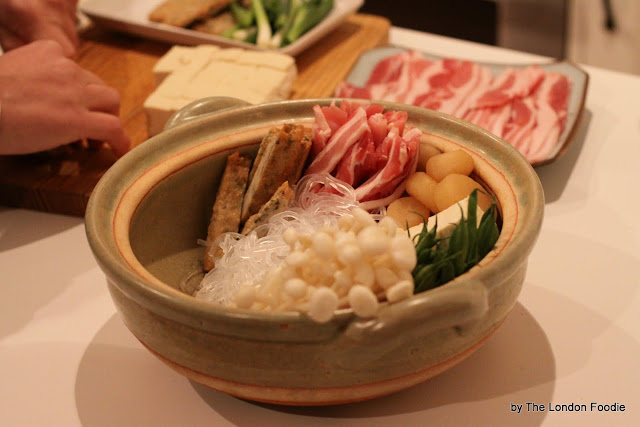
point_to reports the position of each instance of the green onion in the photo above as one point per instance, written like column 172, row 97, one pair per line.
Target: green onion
column 308, row 14
column 264, row 27
column 244, row 17
column 442, row 260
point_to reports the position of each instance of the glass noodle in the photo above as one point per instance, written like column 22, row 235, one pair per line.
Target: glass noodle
column 320, row 200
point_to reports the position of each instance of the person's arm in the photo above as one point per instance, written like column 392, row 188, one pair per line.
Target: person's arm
column 25, row 21
column 47, row 100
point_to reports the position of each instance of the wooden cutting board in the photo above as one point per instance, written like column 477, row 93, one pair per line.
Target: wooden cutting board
column 61, row 181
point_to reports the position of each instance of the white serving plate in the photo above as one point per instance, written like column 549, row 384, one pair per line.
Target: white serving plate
column 579, row 83
column 132, row 17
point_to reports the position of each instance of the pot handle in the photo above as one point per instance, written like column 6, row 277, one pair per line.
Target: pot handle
column 203, row 107
column 454, row 305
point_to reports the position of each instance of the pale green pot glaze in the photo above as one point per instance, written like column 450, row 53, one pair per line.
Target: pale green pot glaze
column 148, row 211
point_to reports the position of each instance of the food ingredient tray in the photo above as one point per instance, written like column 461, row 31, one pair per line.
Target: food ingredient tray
column 132, row 17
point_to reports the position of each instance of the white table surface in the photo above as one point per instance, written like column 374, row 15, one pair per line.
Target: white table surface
column 574, row 336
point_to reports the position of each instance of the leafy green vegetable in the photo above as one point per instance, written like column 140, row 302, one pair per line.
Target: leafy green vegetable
column 307, row 15
column 243, row 16
column 247, row 35
column 277, row 12
column 278, row 22
column 441, row 260
column 281, row 19
column 263, row 38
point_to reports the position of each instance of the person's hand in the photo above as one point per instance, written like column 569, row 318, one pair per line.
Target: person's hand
column 47, row 100
column 25, row 21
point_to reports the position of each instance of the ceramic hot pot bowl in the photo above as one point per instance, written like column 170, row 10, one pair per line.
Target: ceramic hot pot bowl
column 148, row 211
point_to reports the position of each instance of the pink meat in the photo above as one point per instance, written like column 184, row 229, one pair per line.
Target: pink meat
column 453, row 73
column 396, row 119
column 492, row 110
column 412, row 134
column 360, row 162
column 403, row 151
column 544, row 136
column 493, row 119
column 349, row 107
column 349, row 169
column 339, row 143
column 468, row 92
column 497, row 93
column 321, row 131
column 454, row 93
column 551, row 100
column 335, row 116
column 398, row 158
column 513, row 105
column 421, row 89
column 387, row 69
column 372, row 109
column 558, row 95
column 451, row 86
column 413, row 140
column 384, row 91
column 511, row 83
column 519, row 129
column 396, row 67
column 378, row 125
column 498, row 120
column 444, row 85
column 348, row 90
column 374, row 151
column 527, row 81
column 409, row 81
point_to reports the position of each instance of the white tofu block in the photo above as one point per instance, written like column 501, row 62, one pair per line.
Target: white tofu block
column 176, row 57
column 175, row 84
column 159, row 108
column 447, row 219
column 186, row 74
column 274, row 85
column 273, row 60
column 228, row 55
column 206, row 49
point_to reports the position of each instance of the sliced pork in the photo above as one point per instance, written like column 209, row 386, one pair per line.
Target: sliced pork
column 468, row 83
column 392, row 67
column 519, row 129
column 525, row 106
column 493, row 119
column 339, row 143
column 387, row 181
column 510, row 84
column 373, row 151
column 551, row 100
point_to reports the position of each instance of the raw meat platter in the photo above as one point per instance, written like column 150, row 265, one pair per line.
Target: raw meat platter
column 358, row 84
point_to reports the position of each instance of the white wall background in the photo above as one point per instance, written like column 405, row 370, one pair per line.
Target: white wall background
column 589, row 43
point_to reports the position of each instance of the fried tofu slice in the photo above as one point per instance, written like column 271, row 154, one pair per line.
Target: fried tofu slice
column 225, row 216
column 302, row 137
column 181, row 13
column 276, row 204
column 281, row 157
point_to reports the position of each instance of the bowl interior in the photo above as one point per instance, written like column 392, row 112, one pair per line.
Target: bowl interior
column 174, row 215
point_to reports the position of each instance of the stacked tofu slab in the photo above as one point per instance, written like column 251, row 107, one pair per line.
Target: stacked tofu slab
column 186, row 74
